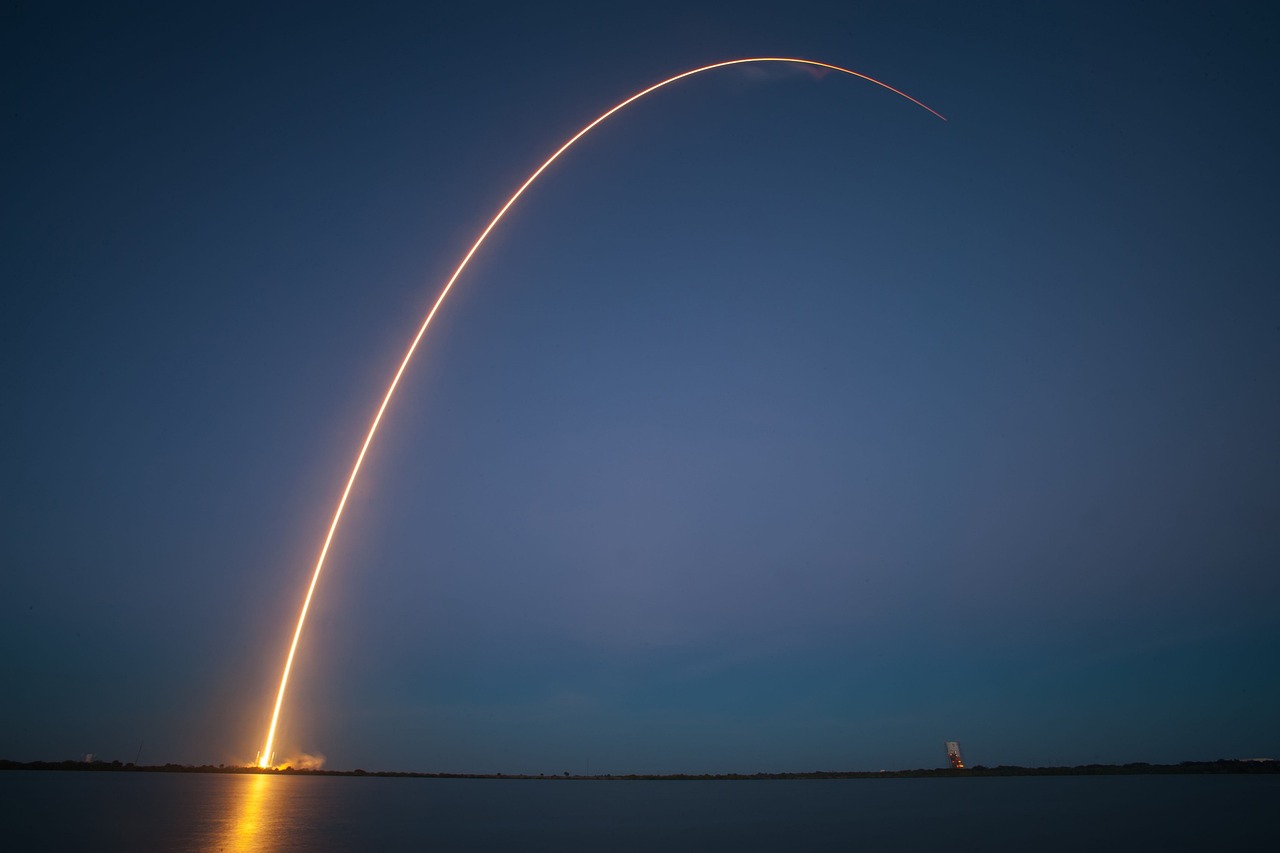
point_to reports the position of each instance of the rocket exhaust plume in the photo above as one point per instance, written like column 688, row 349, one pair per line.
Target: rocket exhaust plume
column 264, row 759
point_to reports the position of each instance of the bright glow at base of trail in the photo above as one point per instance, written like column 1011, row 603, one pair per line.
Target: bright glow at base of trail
column 264, row 757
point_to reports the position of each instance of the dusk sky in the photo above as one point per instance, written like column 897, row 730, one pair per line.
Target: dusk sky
column 782, row 426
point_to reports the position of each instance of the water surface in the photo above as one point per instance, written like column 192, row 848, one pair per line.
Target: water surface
column 173, row 811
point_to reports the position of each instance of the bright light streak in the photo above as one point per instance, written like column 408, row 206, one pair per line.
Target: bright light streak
column 265, row 755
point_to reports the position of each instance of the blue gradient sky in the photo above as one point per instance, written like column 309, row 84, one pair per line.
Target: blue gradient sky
column 781, row 427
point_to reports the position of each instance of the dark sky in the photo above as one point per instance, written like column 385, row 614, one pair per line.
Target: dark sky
column 782, row 426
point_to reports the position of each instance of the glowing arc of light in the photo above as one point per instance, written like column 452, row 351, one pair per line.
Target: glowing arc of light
column 264, row 760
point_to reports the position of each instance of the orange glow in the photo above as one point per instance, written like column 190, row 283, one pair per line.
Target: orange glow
column 265, row 755
column 248, row 828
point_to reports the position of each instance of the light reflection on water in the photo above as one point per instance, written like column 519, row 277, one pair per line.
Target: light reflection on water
column 276, row 813
column 250, row 810
column 269, row 813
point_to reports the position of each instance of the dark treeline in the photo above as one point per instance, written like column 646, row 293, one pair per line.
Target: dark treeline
column 1134, row 769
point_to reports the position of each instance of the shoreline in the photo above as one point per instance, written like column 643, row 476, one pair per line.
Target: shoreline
column 1220, row 766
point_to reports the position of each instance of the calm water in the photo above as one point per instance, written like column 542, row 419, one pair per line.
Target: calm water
column 153, row 811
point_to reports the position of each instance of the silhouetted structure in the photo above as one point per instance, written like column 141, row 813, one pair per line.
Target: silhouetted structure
column 953, row 755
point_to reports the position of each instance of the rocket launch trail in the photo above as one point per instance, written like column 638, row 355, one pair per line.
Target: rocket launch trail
column 264, row 759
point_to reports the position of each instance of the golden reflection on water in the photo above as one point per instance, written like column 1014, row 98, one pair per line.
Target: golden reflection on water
column 251, row 821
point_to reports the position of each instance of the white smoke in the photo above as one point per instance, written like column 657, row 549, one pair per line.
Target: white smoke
column 303, row 761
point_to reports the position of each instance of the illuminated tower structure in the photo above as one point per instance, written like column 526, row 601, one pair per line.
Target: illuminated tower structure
column 953, row 755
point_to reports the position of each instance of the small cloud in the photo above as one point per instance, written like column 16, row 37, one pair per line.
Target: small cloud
column 304, row 761
column 781, row 70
